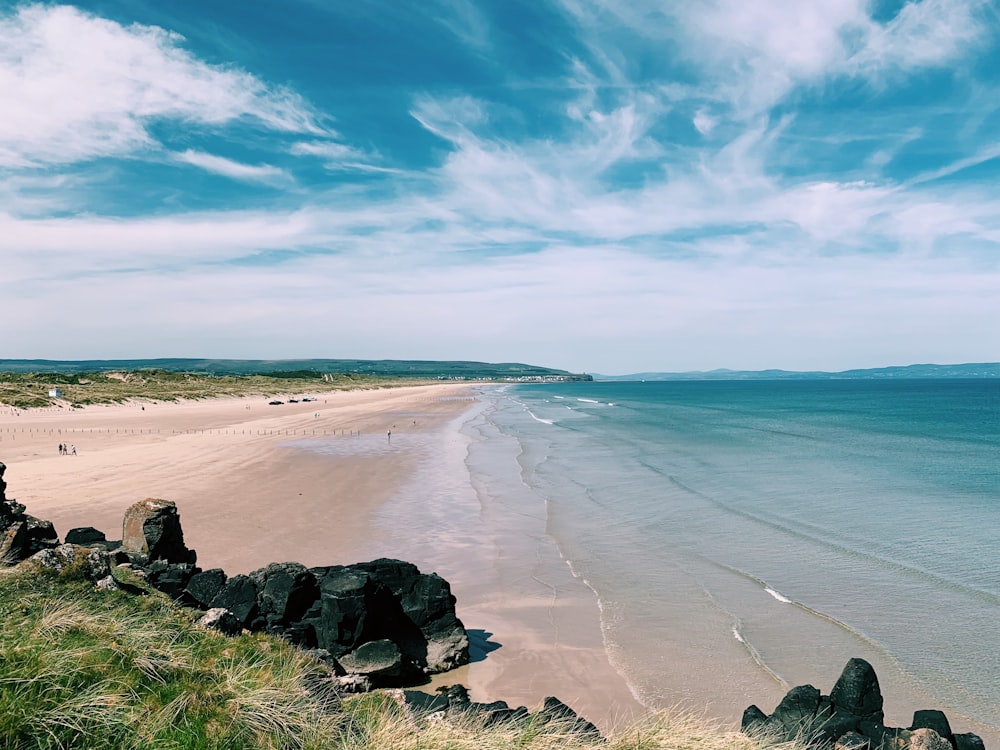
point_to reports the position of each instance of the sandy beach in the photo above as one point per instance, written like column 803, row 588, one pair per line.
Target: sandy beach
column 312, row 482
column 246, row 495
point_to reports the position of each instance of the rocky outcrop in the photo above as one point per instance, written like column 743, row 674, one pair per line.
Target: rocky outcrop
column 21, row 535
column 851, row 718
column 383, row 620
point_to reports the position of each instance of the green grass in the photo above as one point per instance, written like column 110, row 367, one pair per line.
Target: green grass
column 31, row 390
column 82, row 668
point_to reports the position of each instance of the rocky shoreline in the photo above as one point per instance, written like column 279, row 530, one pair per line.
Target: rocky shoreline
column 385, row 624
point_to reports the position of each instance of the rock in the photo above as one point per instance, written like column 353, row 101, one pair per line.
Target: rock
column 107, row 583
column 204, row 587
column 935, row 720
column 96, row 564
column 286, row 592
column 556, row 710
column 378, row 660
column 353, row 683
column 850, row 718
column 221, row 619
column 21, row 535
column 51, row 559
column 852, row 741
column 796, row 714
column 428, row 603
column 170, row 578
column 753, row 718
column 355, row 609
column 857, row 691
column 968, row 741
column 926, row 739
column 152, row 531
column 86, row 536
column 239, row 596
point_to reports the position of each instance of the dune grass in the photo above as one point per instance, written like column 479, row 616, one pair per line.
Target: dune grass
column 31, row 390
column 83, row 668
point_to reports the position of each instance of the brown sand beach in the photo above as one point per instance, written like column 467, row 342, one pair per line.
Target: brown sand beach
column 257, row 483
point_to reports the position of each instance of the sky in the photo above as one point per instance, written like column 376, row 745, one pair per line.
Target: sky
column 604, row 186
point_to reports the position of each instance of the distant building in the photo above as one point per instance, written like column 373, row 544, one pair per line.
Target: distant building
column 55, row 392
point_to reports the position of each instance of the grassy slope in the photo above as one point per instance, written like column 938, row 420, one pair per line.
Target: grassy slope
column 86, row 668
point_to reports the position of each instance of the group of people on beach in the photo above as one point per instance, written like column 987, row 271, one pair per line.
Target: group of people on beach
column 67, row 450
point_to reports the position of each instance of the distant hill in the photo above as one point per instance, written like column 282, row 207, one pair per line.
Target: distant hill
column 974, row 370
column 513, row 371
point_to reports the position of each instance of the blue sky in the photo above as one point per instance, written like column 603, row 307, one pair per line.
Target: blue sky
column 599, row 185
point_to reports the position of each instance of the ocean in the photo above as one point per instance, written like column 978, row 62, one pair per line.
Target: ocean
column 741, row 533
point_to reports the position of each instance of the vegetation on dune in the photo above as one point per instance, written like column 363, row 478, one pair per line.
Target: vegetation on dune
column 81, row 667
column 30, row 390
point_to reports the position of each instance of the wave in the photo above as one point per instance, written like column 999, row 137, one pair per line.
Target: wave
column 539, row 419
column 588, row 401
column 778, row 595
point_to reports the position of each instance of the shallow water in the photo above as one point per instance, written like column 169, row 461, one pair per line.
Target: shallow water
column 738, row 537
column 807, row 519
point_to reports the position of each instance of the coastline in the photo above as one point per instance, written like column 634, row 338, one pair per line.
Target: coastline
column 269, row 484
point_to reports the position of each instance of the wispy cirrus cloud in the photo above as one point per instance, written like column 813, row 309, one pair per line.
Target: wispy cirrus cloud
column 235, row 170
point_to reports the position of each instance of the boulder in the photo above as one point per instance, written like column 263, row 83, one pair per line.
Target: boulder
column 239, row 596
column 152, row 531
column 286, row 593
column 428, row 603
column 935, row 720
column 170, row 578
column 204, row 586
column 857, row 691
column 968, row 741
column 221, row 619
column 85, row 536
column 21, row 535
column 380, row 661
column 796, row 714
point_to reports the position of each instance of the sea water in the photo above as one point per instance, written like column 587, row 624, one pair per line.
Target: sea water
column 810, row 518
column 733, row 530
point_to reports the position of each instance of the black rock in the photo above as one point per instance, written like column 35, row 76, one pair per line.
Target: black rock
column 556, row 710
column 968, row 741
column 86, row 536
column 170, row 578
column 239, row 596
column 204, row 587
column 796, row 714
column 857, row 691
column 380, row 661
column 287, row 591
column 752, row 717
column 929, row 719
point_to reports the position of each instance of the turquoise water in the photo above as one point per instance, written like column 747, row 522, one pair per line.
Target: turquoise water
column 788, row 524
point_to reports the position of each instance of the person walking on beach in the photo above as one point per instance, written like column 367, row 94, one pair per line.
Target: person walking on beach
column 73, row 450
column 60, row 449
column 388, row 435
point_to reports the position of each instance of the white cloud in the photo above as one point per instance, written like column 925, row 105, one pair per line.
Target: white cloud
column 75, row 87
column 233, row 169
